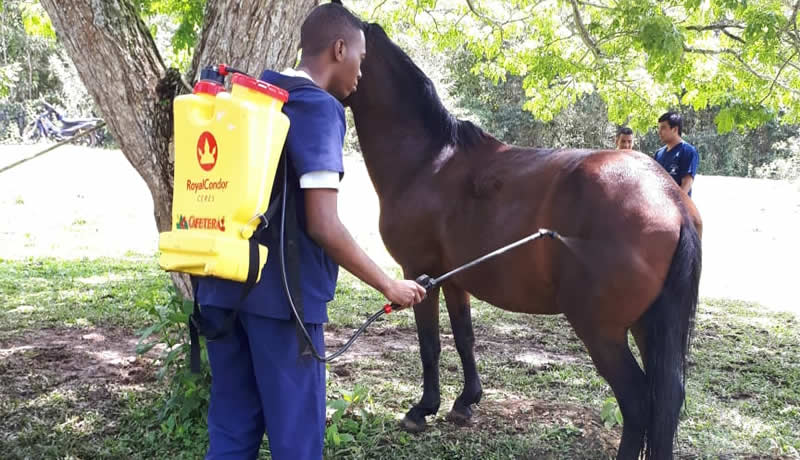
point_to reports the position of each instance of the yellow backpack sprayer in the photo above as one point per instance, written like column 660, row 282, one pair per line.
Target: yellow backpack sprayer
column 227, row 147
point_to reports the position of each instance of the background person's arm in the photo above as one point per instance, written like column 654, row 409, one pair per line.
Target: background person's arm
column 686, row 183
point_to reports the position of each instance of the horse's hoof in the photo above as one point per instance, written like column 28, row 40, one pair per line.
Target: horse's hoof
column 459, row 418
column 412, row 426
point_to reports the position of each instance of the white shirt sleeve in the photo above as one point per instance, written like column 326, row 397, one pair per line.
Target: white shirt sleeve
column 320, row 179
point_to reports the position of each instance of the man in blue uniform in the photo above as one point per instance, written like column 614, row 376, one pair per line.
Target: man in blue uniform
column 260, row 380
column 678, row 157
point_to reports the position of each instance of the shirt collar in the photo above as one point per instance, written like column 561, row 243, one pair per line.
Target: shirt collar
column 297, row 73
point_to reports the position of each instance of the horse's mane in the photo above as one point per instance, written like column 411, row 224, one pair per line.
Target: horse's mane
column 443, row 126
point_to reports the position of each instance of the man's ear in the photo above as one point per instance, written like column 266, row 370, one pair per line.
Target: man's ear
column 339, row 50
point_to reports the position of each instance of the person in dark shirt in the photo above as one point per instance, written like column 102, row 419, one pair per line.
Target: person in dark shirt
column 678, row 157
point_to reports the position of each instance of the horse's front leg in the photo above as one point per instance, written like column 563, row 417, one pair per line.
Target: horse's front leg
column 461, row 321
column 426, row 314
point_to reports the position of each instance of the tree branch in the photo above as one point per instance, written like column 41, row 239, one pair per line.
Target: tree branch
column 587, row 39
column 772, row 86
column 744, row 64
column 689, row 49
column 720, row 27
column 763, row 77
column 480, row 15
column 496, row 23
column 375, row 10
column 717, row 26
column 632, row 89
column 594, row 5
column 734, row 37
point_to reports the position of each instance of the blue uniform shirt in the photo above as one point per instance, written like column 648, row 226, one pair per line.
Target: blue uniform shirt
column 680, row 161
column 314, row 143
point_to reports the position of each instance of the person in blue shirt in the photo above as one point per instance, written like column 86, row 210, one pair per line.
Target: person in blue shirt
column 260, row 380
column 678, row 157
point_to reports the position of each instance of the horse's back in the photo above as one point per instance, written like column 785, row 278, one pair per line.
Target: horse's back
column 620, row 213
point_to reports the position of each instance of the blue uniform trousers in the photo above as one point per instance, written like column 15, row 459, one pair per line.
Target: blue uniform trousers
column 260, row 382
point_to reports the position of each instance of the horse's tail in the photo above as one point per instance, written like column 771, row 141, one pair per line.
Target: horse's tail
column 669, row 326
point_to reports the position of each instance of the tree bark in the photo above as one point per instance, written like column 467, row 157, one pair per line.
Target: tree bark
column 120, row 66
column 251, row 35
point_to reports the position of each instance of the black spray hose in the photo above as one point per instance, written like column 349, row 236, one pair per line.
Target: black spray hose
column 325, row 359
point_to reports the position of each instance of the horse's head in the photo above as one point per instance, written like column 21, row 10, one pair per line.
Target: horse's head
column 374, row 68
column 394, row 92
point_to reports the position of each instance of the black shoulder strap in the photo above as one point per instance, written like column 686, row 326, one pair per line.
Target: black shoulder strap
column 291, row 224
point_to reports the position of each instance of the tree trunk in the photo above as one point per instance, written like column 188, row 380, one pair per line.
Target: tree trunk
column 118, row 62
column 251, row 35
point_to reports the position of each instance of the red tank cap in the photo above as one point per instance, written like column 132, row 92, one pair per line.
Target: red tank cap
column 208, row 87
column 261, row 86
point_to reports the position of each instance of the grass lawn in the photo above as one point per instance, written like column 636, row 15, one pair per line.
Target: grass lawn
column 71, row 385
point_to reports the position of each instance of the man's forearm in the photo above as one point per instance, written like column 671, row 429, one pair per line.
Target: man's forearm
column 337, row 242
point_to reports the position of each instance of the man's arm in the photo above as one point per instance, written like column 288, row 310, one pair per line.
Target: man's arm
column 688, row 163
column 686, row 183
column 325, row 228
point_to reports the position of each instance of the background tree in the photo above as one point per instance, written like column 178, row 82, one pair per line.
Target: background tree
column 118, row 61
column 765, row 151
column 641, row 57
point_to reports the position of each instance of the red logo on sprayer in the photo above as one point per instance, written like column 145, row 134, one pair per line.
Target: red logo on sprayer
column 207, row 151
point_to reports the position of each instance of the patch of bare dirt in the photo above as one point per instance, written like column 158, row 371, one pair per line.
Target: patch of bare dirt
column 497, row 412
column 378, row 341
column 42, row 360
column 375, row 344
column 516, row 414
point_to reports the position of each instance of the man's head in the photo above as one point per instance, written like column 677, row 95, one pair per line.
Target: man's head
column 333, row 39
column 624, row 139
column 669, row 127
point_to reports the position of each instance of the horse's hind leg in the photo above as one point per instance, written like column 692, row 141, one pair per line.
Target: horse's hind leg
column 426, row 315
column 616, row 364
column 461, row 321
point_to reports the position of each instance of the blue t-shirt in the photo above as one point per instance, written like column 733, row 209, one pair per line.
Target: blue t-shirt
column 314, row 143
column 681, row 161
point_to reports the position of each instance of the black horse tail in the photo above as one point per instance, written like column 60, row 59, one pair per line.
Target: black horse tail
column 669, row 324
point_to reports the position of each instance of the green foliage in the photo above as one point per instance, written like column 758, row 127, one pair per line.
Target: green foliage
column 499, row 109
column 734, row 137
column 34, row 67
column 176, row 25
column 642, row 57
column 9, row 76
column 745, row 364
column 344, row 426
column 27, row 42
column 183, row 415
column 36, row 21
column 610, row 413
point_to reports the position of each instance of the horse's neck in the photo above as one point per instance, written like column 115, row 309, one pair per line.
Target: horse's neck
column 395, row 149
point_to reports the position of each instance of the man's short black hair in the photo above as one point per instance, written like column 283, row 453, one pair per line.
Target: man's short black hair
column 674, row 119
column 326, row 24
column 624, row 131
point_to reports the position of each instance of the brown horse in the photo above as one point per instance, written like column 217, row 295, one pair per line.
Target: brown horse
column 449, row 192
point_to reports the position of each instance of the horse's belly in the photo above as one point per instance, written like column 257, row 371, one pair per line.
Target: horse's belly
column 509, row 293
column 531, row 305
